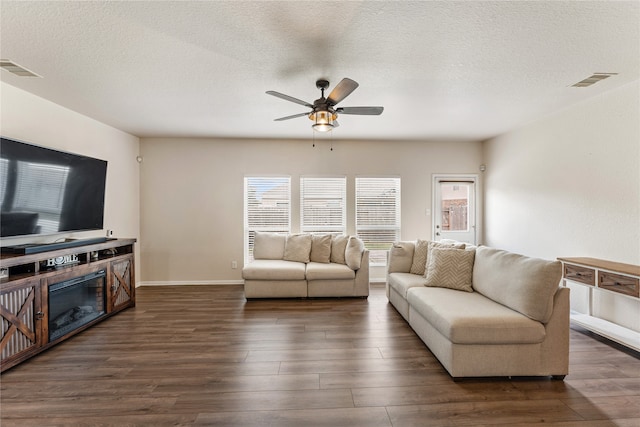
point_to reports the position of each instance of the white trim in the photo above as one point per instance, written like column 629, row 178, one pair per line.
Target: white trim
column 192, row 282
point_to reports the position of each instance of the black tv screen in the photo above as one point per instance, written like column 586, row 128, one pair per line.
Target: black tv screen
column 45, row 191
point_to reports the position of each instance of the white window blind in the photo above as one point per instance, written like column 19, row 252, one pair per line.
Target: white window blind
column 378, row 215
column 267, row 207
column 323, row 204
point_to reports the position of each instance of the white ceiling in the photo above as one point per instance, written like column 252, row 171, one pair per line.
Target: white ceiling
column 442, row 70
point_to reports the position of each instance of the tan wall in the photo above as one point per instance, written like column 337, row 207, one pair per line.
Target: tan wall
column 569, row 185
column 31, row 119
column 192, row 193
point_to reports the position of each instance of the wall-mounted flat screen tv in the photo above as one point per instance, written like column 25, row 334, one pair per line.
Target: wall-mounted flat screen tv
column 45, row 191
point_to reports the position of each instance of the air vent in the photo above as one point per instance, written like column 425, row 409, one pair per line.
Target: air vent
column 16, row 69
column 591, row 80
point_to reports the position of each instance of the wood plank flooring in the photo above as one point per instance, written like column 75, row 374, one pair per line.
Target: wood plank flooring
column 203, row 355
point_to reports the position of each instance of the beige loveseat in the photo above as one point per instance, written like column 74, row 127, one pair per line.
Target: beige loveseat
column 306, row 265
column 483, row 311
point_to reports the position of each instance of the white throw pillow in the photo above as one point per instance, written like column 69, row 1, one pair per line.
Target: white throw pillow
column 268, row 245
column 419, row 257
column 320, row 248
column 401, row 257
column 298, row 247
column 338, row 247
column 450, row 268
column 353, row 253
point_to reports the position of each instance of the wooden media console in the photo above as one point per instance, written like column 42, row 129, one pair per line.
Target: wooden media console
column 102, row 275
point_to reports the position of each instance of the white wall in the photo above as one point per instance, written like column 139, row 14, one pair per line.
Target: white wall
column 192, row 193
column 569, row 185
column 32, row 119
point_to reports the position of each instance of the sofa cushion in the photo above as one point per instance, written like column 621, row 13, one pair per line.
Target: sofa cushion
column 320, row 248
column 269, row 245
column 419, row 262
column 524, row 284
column 442, row 244
column 273, row 269
column 422, row 250
column 353, row 252
column 297, row 247
column 471, row 318
column 402, row 282
column 332, row 271
column 450, row 268
column 338, row 247
column 401, row 257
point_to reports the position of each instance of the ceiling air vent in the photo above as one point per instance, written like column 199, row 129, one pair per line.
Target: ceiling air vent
column 591, row 80
column 16, row 69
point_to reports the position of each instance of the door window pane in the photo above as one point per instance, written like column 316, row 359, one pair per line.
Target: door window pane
column 455, row 207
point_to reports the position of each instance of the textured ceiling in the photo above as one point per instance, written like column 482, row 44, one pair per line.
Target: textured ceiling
column 442, row 70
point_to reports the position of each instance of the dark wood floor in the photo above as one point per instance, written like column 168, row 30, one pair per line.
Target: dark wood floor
column 202, row 355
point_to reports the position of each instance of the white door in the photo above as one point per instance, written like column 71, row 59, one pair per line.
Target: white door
column 454, row 209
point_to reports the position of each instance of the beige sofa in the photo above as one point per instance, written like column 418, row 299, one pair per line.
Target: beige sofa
column 305, row 265
column 483, row 311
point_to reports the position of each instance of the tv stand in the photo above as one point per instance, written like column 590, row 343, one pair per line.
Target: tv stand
column 25, row 293
column 34, row 248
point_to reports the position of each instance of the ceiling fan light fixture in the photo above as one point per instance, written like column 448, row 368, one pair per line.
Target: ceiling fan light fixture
column 323, row 120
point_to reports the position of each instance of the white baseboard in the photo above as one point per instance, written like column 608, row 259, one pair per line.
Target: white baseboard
column 193, row 282
column 221, row 282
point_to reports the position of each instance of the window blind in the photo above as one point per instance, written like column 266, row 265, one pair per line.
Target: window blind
column 267, row 208
column 378, row 215
column 323, row 204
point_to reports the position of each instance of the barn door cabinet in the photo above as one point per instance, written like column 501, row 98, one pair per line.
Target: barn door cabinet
column 25, row 293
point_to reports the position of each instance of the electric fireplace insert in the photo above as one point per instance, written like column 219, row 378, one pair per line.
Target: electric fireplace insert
column 76, row 302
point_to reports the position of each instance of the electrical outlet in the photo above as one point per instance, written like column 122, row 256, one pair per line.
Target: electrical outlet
column 234, row 264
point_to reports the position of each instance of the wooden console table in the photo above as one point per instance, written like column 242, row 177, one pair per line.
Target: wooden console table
column 24, row 293
column 607, row 276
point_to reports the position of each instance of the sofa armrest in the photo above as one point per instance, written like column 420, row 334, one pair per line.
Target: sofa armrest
column 555, row 348
column 361, row 285
column 400, row 258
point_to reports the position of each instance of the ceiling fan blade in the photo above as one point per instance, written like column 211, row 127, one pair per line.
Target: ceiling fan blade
column 288, row 98
column 364, row 111
column 341, row 91
column 291, row 117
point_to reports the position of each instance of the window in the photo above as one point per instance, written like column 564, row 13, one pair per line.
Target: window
column 267, row 207
column 378, row 215
column 322, row 205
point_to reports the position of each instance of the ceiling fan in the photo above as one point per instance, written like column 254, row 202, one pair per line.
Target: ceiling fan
column 323, row 112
